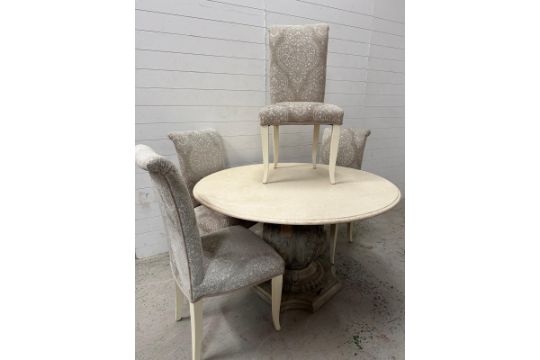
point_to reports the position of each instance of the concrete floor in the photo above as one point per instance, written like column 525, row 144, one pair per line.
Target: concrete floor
column 365, row 320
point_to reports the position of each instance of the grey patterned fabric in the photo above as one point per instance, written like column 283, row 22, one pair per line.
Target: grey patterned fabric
column 298, row 62
column 351, row 147
column 298, row 77
column 235, row 258
column 301, row 113
column 209, row 220
column 201, row 153
column 223, row 261
column 185, row 250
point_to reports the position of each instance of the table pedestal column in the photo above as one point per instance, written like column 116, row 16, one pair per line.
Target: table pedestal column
column 309, row 280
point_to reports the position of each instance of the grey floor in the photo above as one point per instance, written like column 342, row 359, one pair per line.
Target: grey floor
column 365, row 320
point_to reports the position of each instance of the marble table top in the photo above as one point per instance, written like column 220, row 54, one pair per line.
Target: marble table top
column 297, row 194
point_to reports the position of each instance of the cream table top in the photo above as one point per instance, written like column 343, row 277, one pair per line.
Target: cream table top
column 297, row 194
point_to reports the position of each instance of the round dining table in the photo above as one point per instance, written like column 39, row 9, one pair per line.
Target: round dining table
column 293, row 207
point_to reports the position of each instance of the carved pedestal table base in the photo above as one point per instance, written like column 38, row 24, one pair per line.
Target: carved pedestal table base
column 309, row 280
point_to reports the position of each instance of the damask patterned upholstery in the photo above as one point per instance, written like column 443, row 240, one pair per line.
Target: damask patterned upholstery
column 201, row 153
column 298, row 77
column 351, row 147
column 301, row 113
column 229, row 259
column 209, row 220
column 298, row 62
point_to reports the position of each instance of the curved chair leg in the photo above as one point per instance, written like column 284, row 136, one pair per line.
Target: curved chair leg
column 180, row 299
column 264, row 144
column 315, row 145
column 195, row 309
column 276, row 144
column 349, row 231
column 277, row 286
column 334, row 146
column 333, row 241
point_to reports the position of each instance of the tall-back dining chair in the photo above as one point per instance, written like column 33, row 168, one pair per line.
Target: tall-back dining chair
column 201, row 153
column 297, row 83
column 214, row 264
column 350, row 154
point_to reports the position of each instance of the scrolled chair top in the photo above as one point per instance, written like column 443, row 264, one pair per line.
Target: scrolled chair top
column 147, row 159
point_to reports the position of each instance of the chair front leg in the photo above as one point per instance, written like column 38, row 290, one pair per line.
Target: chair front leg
column 276, row 144
column 334, row 146
column 180, row 299
column 195, row 310
column 315, row 145
column 277, row 287
column 349, row 231
column 333, row 241
column 264, row 144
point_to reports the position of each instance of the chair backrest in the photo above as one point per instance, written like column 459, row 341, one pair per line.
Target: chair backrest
column 185, row 249
column 200, row 153
column 298, row 62
column 352, row 143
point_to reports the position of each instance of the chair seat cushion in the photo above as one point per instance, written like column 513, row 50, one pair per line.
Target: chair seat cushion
column 234, row 258
column 301, row 113
column 209, row 220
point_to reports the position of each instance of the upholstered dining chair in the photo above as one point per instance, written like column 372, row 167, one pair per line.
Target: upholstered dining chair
column 297, row 84
column 201, row 153
column 350, row 154
column 214, row 264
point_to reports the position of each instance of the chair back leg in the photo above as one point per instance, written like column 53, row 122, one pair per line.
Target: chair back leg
column 195, row 310
column 276, row 144
column 349, row 231
column 334, row 146
column 180, row 299
column 333, row 241
column 277, row 287
column 315, row 145
column 264, row 144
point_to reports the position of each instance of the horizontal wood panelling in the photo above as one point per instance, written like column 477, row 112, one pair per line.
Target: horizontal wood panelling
column 199, row 10
column 350, row 61
column 199, row 113
column 198, row 27
column 202, row 64
column 387, row 53
column 208, row 46
column 156, row 96
column 151, row 59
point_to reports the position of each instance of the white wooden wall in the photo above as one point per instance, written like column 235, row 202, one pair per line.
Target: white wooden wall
column 202, row 64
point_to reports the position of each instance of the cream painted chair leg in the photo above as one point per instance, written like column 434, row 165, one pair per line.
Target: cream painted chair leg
column 277, row 286
column 264, row 144
column 349, row 231
column 334, row 146
column 195, row 310
column 276, row 145
column 315, row 145
column 333, row 241
column 180, row 299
